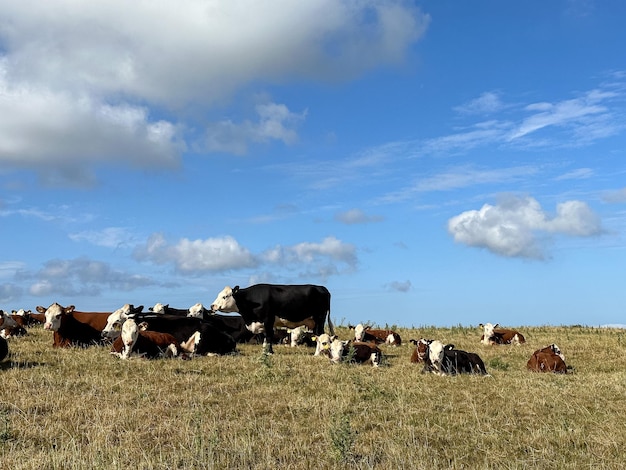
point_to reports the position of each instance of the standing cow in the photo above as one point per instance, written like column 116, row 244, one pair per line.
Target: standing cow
column 265, row 306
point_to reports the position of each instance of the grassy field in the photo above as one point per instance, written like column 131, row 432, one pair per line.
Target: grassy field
column 85, row 409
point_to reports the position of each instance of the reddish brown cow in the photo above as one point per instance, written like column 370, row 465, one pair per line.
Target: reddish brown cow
column 494, row 335
column 367, row 334
column 548, row 359
column 72, row 327
column 11, row 325
column 420, row 351
column 150, row 344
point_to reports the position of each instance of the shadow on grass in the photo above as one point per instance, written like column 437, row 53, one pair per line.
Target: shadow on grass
column 8, row 364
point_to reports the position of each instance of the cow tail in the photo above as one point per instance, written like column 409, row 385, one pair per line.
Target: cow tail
column 330, row 325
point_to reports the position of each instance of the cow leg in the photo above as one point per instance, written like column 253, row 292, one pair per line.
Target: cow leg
column 268, row 340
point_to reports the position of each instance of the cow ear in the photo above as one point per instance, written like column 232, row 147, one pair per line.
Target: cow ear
column 480, row 325
column 449, row 347
column 69, row 309
column 496, row 325
column 40, row 309
column 314, row 338
column 235, row 289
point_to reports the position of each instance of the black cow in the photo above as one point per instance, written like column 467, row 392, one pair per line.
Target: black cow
column 4, row 348
column 445, row 360
column 265, row 306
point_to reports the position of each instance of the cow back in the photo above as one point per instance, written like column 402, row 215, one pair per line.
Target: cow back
column 543, row 361
column 291, row 302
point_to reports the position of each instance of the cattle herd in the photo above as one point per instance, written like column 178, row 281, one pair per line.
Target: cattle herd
column 266, row 314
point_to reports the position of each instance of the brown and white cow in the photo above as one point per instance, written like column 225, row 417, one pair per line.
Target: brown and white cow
column 421, row 348
column 72, row 327
column 548, row 359
column 11, row 325
column 355, row 351
column 134, row 339
column 494, row 335
column 368, row 334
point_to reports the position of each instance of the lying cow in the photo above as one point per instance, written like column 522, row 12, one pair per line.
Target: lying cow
column 30, row 317
column 11, row 325
column 4, row 348
column 165, row 309
column 445, row 360
column 355, row 351
column 72, row 327
column 144, row 343
column 300, row 336
column 494, row 335
column 548, row 359
column 323, row 343
column 421, row 348
column 367, row 334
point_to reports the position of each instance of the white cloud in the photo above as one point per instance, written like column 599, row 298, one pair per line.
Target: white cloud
column 226, row 254
column 615, row 197
column 80, row 276
column 59, row 135
column 190, row 256
column 137, row 49
column 512, row 227
column 72, row 74
column 575, row 114
column 577, row 174
column 487, row 103
column 275, row 122
column 111, row 237
column 357, row 216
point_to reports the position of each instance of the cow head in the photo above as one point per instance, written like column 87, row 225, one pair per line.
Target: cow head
column 421, row 345
column 7, row 321
column 435, row 355
column 296, row 334
column 159, row 307
column 488, row 332
column 115, row 321
column 337, row 348
column 130, row 333
column 323, row 344
column 555, row 349
column 359, row 331
column 54, row 314
column 225, row 302
column 197, row 311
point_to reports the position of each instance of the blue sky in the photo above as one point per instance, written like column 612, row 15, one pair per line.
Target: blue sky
column 431, row 163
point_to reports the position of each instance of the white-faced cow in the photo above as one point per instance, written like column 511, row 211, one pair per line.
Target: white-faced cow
column 368, row 334
column 11, row 325
column 494, row 335
column 144, row 343
column 445, row 360
column 265, row 306
column 299, row 336
column 167, row 310
column 72, row 327
column 323, row 343
column 548, row 359
column 4, row 348
column 355, row 351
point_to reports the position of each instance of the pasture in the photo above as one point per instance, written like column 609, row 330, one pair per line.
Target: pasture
column 85, row 409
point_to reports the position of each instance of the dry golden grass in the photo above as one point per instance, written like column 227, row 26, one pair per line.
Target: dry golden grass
column 85, row 409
